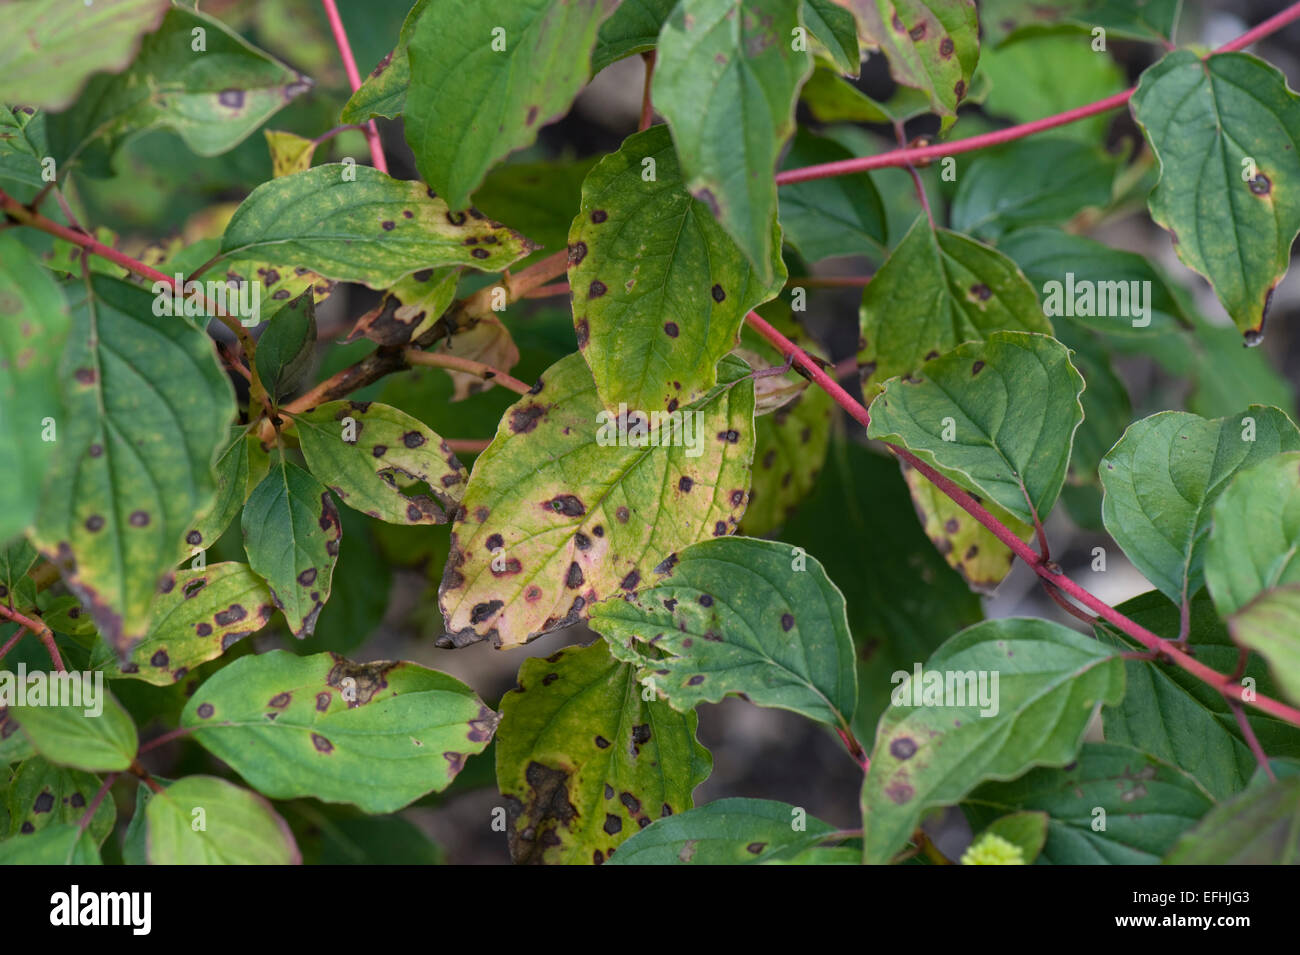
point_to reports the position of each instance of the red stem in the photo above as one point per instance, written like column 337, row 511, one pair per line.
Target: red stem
column 647, row 109
column 89, row 814
column 12, row 642
column 164, row 738
column 354, row 78
column 1048, row 572
column 37, row 627
column 1252, row 740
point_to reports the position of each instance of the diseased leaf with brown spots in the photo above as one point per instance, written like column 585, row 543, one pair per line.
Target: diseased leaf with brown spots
column 356, row 224
column 240, row 469
column 410, row 307
column 290, row 152
column 369, row 454
column 42, row 794
column 739, row 616
column 384, row 91
column 147, row 406
column 788, row 456
column 291, row 534
column 584, row 762
column 377, row 735
column 558, row 516
column 197, row 616
column 967, row 545
column 659, row 289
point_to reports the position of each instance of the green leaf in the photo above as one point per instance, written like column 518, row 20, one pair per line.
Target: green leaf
column 832, row 99
column 789, row 451
column 89, row 731
column 1152, row 21
column 659, row 290
column 146, row 408
column 1049, row 682
column 335, row 835
column 287, row 347
column 937, row 290
column 836, row 29
column 1178, row 718
column 291, row 534
column 1163, row 476
column 384, row 91
column 1080, row 267
column 1032, row 182
column 1107, row 410
column 726, row 832
column 843, row 215
column 1269, row 625
column 355, row 224
column 931, row 45
column 1258, row 827
column 1147, row 805
column 56, row 45
column 1010, row 407
column 584, row 761
column 59, row 844
column 377, row 735
column 727, row 79
column 212, row 97
column 362, row 450
column 197, row 616
column 1254, row 545
column 894, row 622
column 290, row 152
column 240, row 468
column 33, row 327
column 1226, row 130
column 22, row 148
column 566, row 508
column 1043, row 76
column 17, row 590
column 486, row 78
column 632, row 28
column 41, row 794
column 237, row 827
column 739, row 616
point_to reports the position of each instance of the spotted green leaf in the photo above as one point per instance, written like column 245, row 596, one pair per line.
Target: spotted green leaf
column 584, row 761
column 561, row 511
column 967, row 545
column 659, row 289
column 55, row 45
column 726, row 832
column 789, row 451
column 365, row 452
column 1102, row 288
column 937, row 290
column 290, row 152
column 377, row 735
column 213, row 96
column 726, row 79
column 147, row 407
column 59, row 844
column 411, row 307
column 1257, row 827
column 287, row 347
column 41, row 794
column 240, row 468
column 1226, row 130
column 1270, row 625
column 843, row 215
column 33, row 326
column 87, row 729
column 291, row 534
column 1254, row 544
column 355, row 224
column 384, row 91
column 997, row 416
column 998, row 698
column 1162, row 478
column 1147, row 805
column 197, row 616
column 1041, row 181
column 739, row 616
column 485, row 78
column 238, row 827
column 632, row 28
column 1178, row 718
column 931, row 45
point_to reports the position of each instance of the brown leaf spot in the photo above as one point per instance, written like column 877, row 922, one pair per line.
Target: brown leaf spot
column 903, row 748
column 321, row 743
